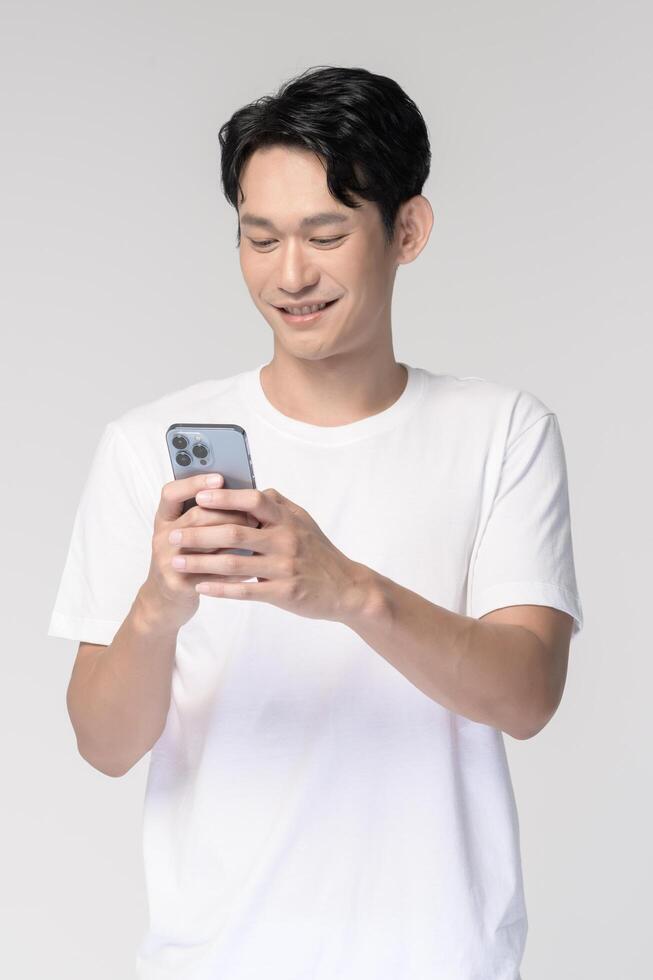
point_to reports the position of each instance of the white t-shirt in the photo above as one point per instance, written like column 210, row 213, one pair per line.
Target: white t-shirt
column 310, row 814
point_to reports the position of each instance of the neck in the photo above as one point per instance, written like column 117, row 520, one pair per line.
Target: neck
column 333, row 390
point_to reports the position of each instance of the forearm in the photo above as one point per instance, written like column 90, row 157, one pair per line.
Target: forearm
column 489, row 672
column 119, row 709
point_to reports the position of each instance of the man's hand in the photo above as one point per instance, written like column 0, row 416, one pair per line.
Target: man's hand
column 167, row 598
column 296, row 565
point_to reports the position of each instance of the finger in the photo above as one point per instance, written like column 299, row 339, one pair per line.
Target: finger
column 174, row 493
column 258, row 591
column 208, row 517
column 216, row 536
column 244, row 566
column 201, row 518
column 255, row 502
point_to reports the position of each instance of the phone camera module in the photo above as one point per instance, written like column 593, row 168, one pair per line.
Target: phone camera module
column 200, row 451
column 179, row 442
column 183, row 459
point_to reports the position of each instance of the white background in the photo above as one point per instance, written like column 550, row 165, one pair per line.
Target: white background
column 121, row 282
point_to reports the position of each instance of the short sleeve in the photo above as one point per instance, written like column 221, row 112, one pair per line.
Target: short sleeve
column 525, row 554
column 110, row 546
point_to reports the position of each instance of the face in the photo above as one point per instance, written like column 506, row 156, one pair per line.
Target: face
column 344, row 258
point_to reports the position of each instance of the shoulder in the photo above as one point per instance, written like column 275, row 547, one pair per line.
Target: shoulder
column 504, row 409
column 140, row 431
column 199, row 400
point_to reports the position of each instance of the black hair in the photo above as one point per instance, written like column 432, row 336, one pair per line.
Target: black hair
column 371, row 135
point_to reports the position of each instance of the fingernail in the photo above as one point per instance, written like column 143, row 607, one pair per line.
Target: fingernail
column 213, row 480
column 174, row 537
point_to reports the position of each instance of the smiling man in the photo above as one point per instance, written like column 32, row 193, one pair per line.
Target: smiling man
column 328, row 794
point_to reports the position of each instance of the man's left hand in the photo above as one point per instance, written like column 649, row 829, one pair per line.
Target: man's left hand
column 296, row 566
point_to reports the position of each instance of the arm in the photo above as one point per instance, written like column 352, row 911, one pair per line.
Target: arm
column 506, row 669
column 118, row 696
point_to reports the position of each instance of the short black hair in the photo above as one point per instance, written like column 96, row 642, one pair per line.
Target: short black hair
column 370, row 133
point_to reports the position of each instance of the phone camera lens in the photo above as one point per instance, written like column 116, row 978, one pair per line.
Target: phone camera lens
column 179, row 442
column 200, row 450
column 183, row 459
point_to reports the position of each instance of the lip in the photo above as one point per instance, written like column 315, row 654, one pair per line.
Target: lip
column 306, row 317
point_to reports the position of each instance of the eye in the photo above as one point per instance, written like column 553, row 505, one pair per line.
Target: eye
column 327, row 241
column 270, row 241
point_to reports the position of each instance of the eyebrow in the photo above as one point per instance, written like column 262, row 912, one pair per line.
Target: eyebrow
column 312, row 221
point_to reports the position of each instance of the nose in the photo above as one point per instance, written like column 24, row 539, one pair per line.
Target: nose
column 297, row 271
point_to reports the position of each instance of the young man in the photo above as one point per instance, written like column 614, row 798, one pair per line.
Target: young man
column 328, row 794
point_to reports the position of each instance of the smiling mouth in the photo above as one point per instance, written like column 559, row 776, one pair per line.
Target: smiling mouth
column 301, row 318
column 310, row 308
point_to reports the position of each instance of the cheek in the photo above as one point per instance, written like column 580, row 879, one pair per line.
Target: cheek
column 363, row 266
column 252, row 274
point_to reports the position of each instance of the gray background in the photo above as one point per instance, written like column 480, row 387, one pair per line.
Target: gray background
column 121, row 282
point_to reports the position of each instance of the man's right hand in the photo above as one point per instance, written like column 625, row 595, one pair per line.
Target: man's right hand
column 169, row 595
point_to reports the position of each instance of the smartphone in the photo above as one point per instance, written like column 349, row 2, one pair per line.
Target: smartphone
column 211, row 448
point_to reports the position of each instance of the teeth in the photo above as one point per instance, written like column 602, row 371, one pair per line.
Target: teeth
column 303, row 310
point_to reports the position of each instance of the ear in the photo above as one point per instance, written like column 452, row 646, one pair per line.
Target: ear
column 413, row 227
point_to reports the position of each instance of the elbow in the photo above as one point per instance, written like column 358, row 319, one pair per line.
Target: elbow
column 523, row 734
column 87, row 748
column 543, row 696
column 111, row 772
column 107, row 768
column 533, row 726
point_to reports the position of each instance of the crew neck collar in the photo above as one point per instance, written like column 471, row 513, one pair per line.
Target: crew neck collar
column 252, row 392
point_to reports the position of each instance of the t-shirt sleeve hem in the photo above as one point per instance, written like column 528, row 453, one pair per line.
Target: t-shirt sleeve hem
column 83, row 630
column 528, row 594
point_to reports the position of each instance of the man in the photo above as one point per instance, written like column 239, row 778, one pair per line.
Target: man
column 328, row 794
